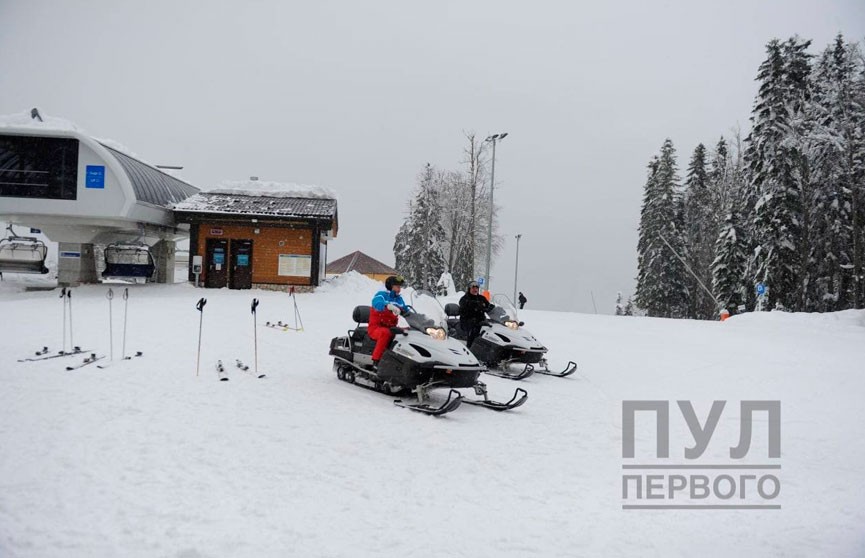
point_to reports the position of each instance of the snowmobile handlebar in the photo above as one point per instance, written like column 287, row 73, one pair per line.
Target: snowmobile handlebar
column 398, row 331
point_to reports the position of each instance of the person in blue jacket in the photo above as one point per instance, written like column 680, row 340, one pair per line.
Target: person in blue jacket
column 387, row 305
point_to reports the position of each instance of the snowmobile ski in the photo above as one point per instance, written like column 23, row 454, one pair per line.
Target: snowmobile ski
column 220, row 371
column 245, row 368
column 502, row 371
column 87, row 361
column 520, row 397
column 77, row 351
column 569, row 369
column 453, row 401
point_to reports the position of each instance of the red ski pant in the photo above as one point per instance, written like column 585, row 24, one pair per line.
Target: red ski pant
column 383, row 337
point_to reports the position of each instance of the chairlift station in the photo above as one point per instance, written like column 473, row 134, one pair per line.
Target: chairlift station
column 86, row 195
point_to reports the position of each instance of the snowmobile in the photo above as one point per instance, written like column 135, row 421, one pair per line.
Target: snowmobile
column 420, row 359
column 504, row 342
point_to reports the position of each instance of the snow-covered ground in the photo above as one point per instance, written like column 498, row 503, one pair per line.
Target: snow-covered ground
column 146, row 459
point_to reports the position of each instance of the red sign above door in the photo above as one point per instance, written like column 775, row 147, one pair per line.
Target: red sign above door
column 216, row 232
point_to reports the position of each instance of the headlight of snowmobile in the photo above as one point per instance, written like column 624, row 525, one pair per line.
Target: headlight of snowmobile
column 436, row 333
column 512, row 325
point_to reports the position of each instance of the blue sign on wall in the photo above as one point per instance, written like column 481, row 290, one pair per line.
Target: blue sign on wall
column 218, row 257
column 95, row 176
column 243, row 259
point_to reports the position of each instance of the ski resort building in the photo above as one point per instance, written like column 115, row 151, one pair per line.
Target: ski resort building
column 361, row 263
column 260, row 234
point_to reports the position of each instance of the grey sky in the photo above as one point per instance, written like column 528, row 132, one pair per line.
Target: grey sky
column 358, row 96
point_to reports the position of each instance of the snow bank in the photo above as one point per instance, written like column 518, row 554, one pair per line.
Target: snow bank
column 351, row 282
column 272, row 189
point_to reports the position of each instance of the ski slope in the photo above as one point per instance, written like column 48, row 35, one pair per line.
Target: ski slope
column 147, row 459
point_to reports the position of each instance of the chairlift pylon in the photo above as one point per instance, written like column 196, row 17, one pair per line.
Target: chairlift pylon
column 22, row 254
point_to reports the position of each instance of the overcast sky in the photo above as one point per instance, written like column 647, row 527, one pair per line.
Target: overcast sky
column 358, row 96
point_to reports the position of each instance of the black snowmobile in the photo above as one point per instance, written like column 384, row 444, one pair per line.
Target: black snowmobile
column 420, row 359
column 504, row 345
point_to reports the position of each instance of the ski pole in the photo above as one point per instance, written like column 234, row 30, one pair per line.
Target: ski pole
column 71, row 338
column 63, row 300
column 125, row 312
column 110, row 296
column 255, row 332
column 200, row 308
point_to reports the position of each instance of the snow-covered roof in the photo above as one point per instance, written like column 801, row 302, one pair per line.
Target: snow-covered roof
column 25, row 120
column 150, row 184
column 273, row 189
column 258, row 206
column 263, row 199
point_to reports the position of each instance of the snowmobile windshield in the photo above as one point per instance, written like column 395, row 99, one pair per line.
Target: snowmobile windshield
column 504, row 312
column 426, row 313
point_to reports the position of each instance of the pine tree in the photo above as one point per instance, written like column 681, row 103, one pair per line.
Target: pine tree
column 419, row 246
column 661, row 283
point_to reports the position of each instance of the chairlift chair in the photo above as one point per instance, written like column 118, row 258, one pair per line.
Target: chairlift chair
column 22, row 254
column 128, row 261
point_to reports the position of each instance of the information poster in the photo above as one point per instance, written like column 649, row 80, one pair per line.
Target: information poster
column 294, row 265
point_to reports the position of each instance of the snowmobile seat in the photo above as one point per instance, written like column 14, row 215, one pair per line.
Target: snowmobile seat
column 452, row 311
column 360, row 314
column 359, row 338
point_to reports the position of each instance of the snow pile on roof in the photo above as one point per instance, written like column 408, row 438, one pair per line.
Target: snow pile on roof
column 24, row 120
column 272, row 189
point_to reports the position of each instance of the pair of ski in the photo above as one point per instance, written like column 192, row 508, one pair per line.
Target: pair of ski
column 93, row 358
column 87, row 361
column 282, row 327
column 113, row 362
column 41, row 354
column 223, row 375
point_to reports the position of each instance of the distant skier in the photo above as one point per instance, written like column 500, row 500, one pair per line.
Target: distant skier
column 387, row 305
column 473, row 309
column 522, row 298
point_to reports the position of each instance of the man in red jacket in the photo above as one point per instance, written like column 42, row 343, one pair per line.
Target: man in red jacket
column 387, row 305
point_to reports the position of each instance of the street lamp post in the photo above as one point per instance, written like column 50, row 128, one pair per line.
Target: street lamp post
column 494, row 138
column 517, row 267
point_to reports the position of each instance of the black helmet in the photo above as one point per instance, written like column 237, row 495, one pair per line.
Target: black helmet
column 394, row 280
column 473, row 284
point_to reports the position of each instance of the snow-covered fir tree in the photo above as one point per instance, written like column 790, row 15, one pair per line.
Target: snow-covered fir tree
column 730, row 265
column 661, row 282
column 700, row 233
column 838, row 151
column 419, row 246
column 779, row 175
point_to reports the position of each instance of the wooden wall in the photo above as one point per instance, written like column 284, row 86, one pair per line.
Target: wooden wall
column 265, row 248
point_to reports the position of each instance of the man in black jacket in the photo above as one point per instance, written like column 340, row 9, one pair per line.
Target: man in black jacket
column 473, row 309
column 522, row 300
